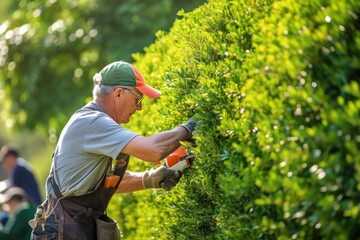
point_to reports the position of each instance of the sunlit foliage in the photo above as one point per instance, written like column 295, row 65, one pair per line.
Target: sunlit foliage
column 274, row 86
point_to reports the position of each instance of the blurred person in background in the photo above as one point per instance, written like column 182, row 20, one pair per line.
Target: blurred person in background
column 15, row 203
column 20, row 173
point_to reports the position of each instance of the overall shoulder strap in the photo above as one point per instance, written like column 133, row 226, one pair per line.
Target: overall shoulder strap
column 55, row 186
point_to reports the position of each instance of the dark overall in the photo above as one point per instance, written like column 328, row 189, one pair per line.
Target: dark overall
column 75, row 217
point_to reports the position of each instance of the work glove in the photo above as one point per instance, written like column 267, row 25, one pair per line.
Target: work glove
column 190, row 126
column 161, row 177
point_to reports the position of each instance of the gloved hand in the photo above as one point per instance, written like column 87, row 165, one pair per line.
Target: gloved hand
column 190, row 126
column 161, row 177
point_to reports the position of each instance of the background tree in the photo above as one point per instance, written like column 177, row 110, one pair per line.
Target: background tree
column 51, row 49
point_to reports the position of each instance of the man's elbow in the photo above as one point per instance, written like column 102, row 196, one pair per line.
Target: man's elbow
column 156, row 155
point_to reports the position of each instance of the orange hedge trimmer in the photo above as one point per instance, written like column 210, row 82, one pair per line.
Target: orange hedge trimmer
column 179, row 159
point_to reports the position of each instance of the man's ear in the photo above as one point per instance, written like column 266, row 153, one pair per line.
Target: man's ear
column 118, row 92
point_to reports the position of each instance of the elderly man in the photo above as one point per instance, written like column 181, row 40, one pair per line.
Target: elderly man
column 82, row 179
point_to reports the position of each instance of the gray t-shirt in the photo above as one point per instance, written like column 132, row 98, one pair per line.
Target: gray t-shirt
column 85, row 145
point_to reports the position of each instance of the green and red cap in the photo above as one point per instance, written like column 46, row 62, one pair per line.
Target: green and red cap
column 125, row 74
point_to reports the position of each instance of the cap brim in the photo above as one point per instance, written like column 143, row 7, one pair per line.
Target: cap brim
column 149, row 91
column 10, row 193
column 4, row 198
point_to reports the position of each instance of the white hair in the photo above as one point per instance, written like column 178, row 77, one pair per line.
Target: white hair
column 102, row 90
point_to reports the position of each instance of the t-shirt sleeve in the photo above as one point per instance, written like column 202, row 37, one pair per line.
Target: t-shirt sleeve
column 104, row 136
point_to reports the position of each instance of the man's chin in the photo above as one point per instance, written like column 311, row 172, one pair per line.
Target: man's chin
column 126, row 120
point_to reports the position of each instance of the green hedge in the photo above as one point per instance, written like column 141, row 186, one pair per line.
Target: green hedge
column 274, row 86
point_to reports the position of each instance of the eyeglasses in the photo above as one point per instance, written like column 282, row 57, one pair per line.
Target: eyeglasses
column 137, row 101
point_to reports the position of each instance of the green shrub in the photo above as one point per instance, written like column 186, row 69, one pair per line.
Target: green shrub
column 274, row 86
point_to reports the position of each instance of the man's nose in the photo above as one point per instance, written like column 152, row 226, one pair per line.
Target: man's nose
column 139, row 107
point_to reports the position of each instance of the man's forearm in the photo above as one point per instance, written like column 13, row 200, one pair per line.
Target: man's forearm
column 168, row 141
column 131, row 182
column 157, row 146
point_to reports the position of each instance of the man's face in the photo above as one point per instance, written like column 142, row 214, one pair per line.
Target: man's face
column 9, row 162
column 127, row 101
column 10, row 207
